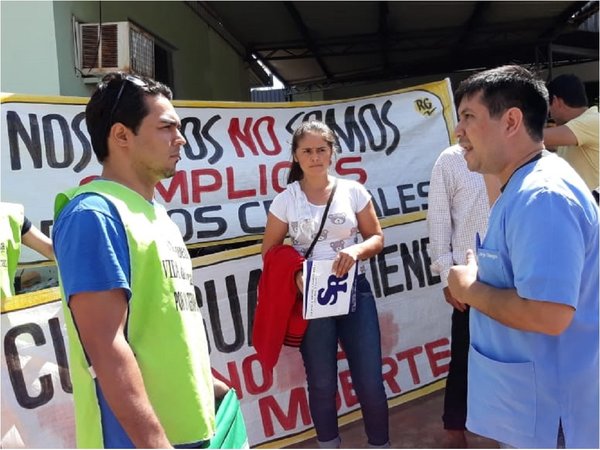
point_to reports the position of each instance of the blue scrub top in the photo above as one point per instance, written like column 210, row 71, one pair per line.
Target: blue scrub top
column 542, row 240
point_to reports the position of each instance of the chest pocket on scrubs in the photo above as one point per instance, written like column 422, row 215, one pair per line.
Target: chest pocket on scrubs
column 491, row 268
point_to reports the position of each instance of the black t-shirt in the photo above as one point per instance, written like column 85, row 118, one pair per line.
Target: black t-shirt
column 26, row 226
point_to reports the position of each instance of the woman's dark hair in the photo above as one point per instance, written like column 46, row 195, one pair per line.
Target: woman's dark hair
column 314, row 127
column 119, row 97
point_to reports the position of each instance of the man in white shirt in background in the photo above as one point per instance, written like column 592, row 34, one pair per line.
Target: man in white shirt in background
column 458, row 210
column 576, row 133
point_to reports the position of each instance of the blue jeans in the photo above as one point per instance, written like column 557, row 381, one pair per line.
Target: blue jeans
column 360, row 339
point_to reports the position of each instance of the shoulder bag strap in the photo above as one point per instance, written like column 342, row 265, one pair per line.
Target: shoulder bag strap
column 310, row 249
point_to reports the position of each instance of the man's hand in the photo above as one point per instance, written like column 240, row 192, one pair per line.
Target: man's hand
column 462, row 277
column 452, row 301
column 220, row 388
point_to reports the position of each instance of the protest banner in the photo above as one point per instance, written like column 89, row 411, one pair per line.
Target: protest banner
column 236, row 156
column 234, row 163
column 37, row 401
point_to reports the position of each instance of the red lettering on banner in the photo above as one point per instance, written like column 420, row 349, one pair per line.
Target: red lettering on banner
column 348, row 391
column 198, row 188
column 233, row 380
column 269, row 409
column 434, row 357
column 205, row 180
column 88, row 179
column 284, row 165
column 270, row 121
column 277, row 414
column 409, row 355
column 251, row 385
column 231, row 192
column 252, row 134
column 343, row 171
column 178, row 182
column 389, row 376
column 236, row 135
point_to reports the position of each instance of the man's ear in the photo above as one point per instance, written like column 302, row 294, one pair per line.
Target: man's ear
column 120, row 134
column 513, row 120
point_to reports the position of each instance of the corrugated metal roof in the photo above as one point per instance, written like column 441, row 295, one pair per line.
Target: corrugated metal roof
column 311, row 42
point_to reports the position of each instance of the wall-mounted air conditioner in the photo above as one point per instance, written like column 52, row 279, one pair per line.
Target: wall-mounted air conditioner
column 115, row 46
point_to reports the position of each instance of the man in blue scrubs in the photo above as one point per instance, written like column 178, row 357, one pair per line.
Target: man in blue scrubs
column 533, row 286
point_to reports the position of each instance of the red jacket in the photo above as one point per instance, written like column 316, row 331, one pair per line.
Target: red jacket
column 278, row 318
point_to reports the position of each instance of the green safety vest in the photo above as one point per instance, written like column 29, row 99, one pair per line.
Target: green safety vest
column 11, row 221
column 164, row 325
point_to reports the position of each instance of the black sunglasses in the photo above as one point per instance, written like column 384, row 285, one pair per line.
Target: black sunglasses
column 134, row 80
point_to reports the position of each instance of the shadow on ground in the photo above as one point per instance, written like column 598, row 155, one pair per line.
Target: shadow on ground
column 416, row 424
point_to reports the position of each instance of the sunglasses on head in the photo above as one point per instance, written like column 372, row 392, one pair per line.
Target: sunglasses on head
column 128, row 78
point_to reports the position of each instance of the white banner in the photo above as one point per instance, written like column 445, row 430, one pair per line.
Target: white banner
column 236, row 157
column 233, row 165
column 414, row 321
column 37, row 402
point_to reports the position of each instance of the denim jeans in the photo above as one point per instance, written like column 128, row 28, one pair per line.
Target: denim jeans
column 358, row 333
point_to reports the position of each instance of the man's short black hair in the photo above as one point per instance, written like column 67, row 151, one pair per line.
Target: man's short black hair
column 510, row 87
column 119, row 97
column 570, row 88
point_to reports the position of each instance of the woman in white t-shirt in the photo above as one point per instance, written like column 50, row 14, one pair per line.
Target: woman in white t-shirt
column 298, row 211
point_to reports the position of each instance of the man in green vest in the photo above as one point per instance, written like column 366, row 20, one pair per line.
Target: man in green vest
column 138, row 351
column 16, row 229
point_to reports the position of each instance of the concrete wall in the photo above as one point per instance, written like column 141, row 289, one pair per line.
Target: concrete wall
column 28, row 48
column 230, row 81
column 205, row 67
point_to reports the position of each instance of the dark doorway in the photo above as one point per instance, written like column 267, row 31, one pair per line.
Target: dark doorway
column 163, row 66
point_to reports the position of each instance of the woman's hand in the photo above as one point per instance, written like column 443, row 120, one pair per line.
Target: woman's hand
column 344, row 261
column 300, row 281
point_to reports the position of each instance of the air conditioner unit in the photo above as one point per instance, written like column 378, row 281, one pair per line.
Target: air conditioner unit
column 115, row 46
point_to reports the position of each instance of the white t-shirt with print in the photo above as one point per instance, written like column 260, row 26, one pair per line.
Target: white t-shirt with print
column 341, row 226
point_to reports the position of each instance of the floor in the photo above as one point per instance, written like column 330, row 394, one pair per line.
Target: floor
column 415, row 424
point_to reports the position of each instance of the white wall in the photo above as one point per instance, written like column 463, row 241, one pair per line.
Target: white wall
column 28, row 48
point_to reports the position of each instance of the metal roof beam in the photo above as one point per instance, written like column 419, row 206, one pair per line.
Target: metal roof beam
column 206, row 13
column 384, row 32
column 489, row 42
column 477, row 60
column 575, row 51
column 432, row 38
column 310, row 43
column 563, row 21
column 472, row 22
